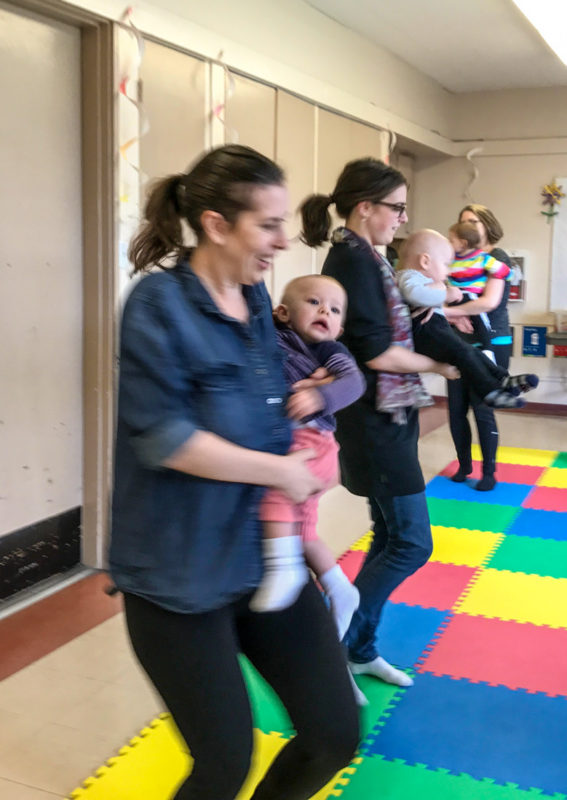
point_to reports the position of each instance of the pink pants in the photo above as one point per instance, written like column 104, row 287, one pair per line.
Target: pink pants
column 277, row 507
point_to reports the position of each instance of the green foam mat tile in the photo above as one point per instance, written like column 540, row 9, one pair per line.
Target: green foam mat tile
column 394, row 780
column 531, row 555
column 470, row 515
column 267, row 709
column 560, row 461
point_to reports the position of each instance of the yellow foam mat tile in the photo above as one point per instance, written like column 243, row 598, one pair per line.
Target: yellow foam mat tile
column 365, row 541
column 519, row 455
column 463, row 547
column 554, row 477
column 156, row 761
column 501, row 594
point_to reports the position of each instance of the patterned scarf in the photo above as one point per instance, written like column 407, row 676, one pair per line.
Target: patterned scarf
column 395, row 392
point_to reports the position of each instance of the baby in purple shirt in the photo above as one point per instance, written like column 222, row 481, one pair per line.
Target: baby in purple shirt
column 309, row 319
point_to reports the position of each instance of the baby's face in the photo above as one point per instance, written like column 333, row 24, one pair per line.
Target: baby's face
column 458, row 245
column 317, row 309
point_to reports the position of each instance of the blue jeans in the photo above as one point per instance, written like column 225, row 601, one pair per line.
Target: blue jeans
column 402, row 543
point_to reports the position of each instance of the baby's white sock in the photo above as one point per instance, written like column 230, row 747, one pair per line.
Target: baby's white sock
column 343, row 597
column 381, row 669
column 285, row 574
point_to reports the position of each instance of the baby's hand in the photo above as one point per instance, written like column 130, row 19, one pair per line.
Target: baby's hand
column 449, row 371
column 454, row 295
column 304, row 403
column 319, row 377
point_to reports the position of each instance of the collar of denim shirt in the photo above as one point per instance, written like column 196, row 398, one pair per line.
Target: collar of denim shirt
column 199, row 295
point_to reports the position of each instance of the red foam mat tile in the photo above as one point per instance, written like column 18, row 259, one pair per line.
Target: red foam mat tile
column 547, row 498
column 434, row 585
column 512, row 654
column 351, row 563
column 505, row 473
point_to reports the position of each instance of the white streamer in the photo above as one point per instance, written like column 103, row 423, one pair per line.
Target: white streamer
column 475, row 171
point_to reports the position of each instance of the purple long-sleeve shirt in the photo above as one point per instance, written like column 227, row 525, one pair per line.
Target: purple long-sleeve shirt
column 303, row 359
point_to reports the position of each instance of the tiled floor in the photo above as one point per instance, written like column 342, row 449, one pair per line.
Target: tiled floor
column 68, row 711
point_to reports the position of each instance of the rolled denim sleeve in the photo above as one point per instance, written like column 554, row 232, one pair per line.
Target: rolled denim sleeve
column 155, row 380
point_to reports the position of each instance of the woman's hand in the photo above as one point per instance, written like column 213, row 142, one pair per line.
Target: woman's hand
column 463, row 324
column 305, row 402
column 448, row 371
column 297, row 480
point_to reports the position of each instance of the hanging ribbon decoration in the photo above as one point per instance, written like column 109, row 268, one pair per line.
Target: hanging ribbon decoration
column 475, row 171
column 392, row 139
column 129, row 66
column 219, row 110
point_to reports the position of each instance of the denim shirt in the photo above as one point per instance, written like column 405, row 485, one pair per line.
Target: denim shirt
column 191, row 544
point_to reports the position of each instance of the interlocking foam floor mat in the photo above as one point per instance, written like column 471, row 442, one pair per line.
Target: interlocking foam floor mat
column 483, row 629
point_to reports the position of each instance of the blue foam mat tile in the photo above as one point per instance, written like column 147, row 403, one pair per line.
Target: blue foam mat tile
column 541, row 524
column 405, row 631
column 483, row 731
column 505, row 494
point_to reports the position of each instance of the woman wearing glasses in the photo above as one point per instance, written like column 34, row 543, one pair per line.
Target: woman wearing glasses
column 378, row 434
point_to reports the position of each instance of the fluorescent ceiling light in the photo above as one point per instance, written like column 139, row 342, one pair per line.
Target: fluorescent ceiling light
column 549, row 18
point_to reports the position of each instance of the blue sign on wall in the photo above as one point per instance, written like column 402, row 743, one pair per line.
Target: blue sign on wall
column 534, row 341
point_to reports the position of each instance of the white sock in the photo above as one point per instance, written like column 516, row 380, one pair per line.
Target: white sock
column 343, row 597
column 381, row 669
column 360, row 697
column 285, row 574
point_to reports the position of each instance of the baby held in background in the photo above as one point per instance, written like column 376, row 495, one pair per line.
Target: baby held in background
column 424, row 265
column 469, row 258
column 309, row 319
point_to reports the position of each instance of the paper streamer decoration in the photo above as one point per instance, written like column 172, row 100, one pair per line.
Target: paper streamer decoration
column 475, row 171
column 392, row 139
column 219, row 110
column 128, row 70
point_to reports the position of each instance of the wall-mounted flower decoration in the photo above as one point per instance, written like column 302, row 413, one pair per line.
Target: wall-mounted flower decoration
column 552, row 195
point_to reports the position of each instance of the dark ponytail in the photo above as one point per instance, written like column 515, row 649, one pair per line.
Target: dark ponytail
column 161, row 234
column 222, row 180
column 362, row 179
column 315, row 219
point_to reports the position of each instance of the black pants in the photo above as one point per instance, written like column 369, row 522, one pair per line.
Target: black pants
column 192, row 661
column 437, row 339
column 461, row 398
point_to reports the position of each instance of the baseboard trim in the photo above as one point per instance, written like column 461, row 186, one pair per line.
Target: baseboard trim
column 543, row 409
column 39, row 551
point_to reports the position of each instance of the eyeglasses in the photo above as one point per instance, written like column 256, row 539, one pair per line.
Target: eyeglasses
column 398, row 208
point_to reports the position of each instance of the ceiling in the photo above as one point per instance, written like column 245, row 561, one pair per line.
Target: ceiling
column 465, row 46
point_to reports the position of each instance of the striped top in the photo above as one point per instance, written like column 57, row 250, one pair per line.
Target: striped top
column 470, row 272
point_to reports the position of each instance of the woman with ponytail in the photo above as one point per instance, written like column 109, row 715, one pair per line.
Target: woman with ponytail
column 201, row 430
column 378, row 434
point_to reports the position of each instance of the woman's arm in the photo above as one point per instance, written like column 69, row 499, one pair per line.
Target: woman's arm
column 207, row 455
column 399, row 359
column 487, row 301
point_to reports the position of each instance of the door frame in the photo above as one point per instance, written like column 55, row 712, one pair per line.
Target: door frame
column 99, row 265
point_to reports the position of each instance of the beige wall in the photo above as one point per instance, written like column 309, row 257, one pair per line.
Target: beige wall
column 40, row 270
column 510, row 114
column 295, row 47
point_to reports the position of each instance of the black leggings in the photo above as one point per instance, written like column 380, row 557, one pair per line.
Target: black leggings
column 192, row 661
column 461, row 398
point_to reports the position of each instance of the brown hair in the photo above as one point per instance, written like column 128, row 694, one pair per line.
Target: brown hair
column 222, row 180
column 468, row 232
column 362, row 179
column 493, row 228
